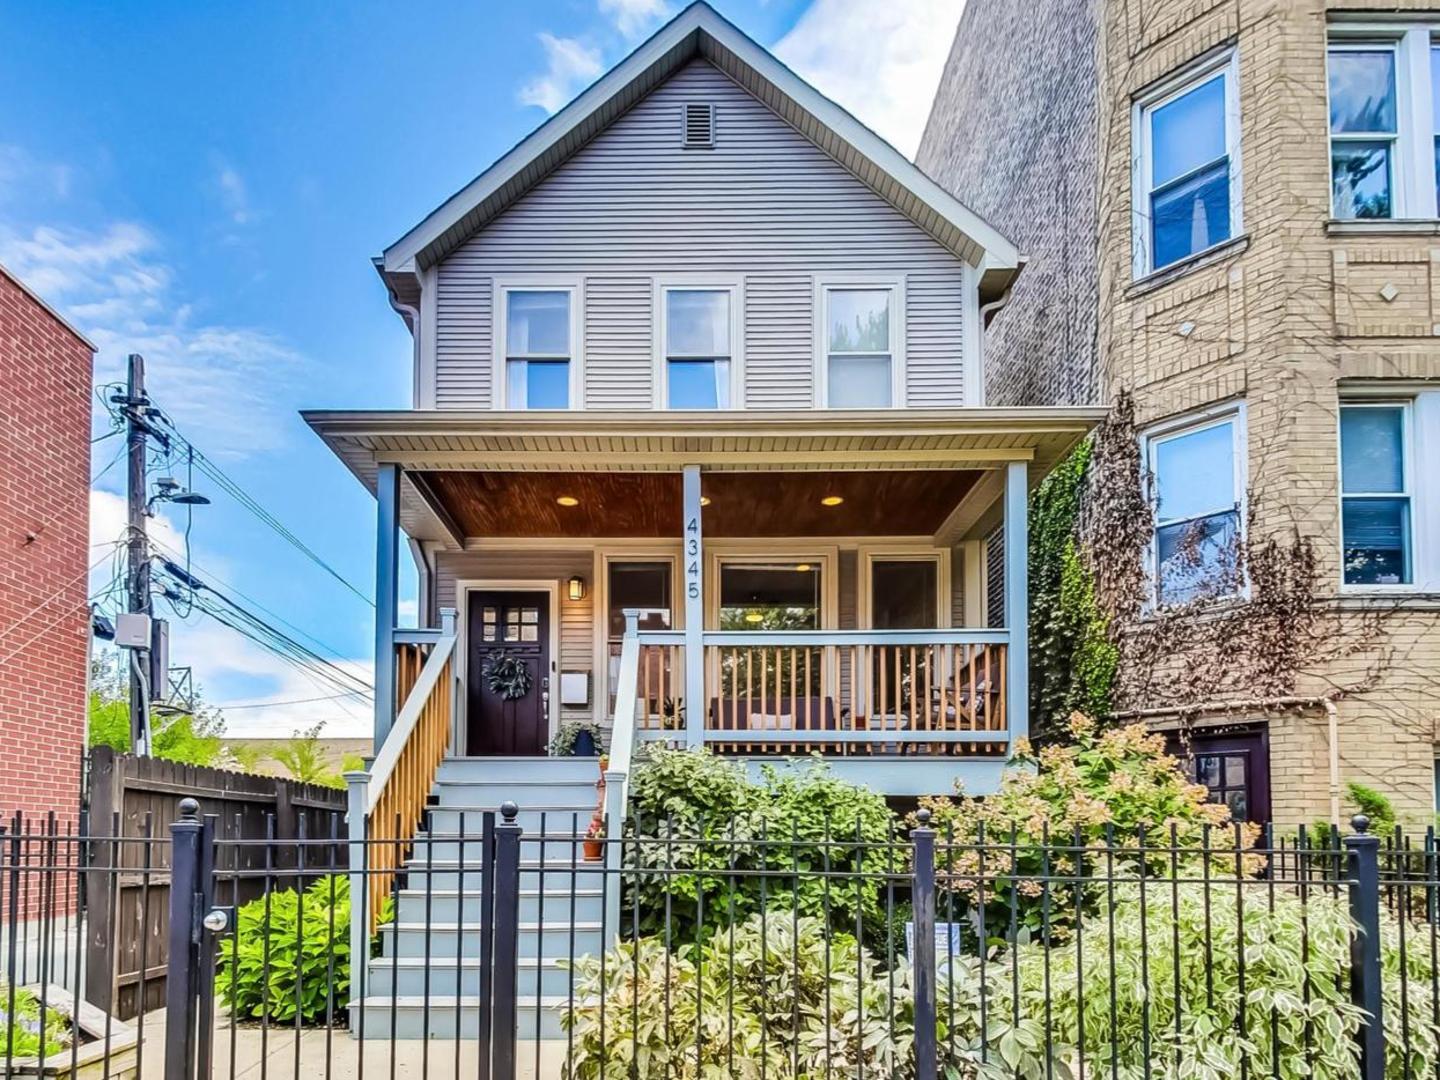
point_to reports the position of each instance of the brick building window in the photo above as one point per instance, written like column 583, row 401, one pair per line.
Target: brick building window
column 1384, row 121
column 1389, row 506
column 1187, row 165
column 1196, row 469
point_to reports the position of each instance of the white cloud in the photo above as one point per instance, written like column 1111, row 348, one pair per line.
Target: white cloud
column 219, row 382
column 234, row 194
column 881, row 61
column 634, row 17
column 570, row 64
column 22, row 172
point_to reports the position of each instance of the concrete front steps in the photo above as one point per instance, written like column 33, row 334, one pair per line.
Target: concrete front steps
column 425, row 981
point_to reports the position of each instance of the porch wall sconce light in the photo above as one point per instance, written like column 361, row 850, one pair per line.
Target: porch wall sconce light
column 577, row 588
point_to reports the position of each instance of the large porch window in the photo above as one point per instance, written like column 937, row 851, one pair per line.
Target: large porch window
column 769, row 596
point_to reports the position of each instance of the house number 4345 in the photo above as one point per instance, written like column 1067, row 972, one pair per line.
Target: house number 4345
column 692, row 558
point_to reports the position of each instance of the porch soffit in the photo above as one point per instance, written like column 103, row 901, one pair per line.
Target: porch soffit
column 750, row 504
column 437, row 442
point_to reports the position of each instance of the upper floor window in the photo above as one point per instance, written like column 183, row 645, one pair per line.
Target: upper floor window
column 539, row 338
column 1383, row 122
column 1197, row 482
column 1187, row 166
column 698, row 335
column 1375, row 495
column 861, row 343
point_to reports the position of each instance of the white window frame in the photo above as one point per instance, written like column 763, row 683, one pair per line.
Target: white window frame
column 1421, row 432
column 824, row 285
column 1412, row 181
column 1226, row 65
column 1233, row 413
column 500, row 319
column 661, row 362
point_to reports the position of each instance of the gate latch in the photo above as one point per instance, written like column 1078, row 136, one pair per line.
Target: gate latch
column 217, row 920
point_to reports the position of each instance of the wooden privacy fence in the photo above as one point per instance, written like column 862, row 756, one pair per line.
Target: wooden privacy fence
column 126, row 914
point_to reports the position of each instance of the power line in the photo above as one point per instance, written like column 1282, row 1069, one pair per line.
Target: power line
column 240, row 495
column 278, row 704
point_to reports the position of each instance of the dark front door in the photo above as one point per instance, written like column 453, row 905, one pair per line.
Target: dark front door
column 508, row 673
column 1234, row 765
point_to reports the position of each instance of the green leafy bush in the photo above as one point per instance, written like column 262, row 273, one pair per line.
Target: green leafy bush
column 777, row 998
column 1072, row 808
column 1155, row 991
column 257, row 975
column 21, row 1036
column 795, row 822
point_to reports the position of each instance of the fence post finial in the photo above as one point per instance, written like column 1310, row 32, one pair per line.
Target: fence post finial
column 1360, row 823
column 189, row 810
column 509, row 812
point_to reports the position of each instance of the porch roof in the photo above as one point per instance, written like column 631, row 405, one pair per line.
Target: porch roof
column 972, row 440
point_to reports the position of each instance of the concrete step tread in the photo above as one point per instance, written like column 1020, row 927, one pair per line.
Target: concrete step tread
column 434, row 962
column 453, row 866
column 450, row 894
column 465, row 1001
column 475, row 926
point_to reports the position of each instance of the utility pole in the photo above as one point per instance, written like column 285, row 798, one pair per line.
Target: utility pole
column 137, row 546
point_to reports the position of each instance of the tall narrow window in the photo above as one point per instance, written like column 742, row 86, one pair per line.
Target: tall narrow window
column 1375, row 495
column 860, row 346
column 538, row 348
column 1196, row 483
column 1188, row 175
column 697, row 348
column 1364, row 130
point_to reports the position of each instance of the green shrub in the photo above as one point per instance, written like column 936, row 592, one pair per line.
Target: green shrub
column 21, row 1037
column 782, row 998
column 807, row 818
column 315, row 926
column 1155, row 991
column 1109, row 787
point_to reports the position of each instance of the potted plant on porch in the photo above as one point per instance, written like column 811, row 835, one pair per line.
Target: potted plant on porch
column 576, row 738
column 594, row 842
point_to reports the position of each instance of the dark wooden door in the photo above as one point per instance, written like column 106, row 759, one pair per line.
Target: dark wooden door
column 508, row 673
column 1235, row 766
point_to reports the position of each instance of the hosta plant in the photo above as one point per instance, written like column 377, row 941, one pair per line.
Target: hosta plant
column 291, row 953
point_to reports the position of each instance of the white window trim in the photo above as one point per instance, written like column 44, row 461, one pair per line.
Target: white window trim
column 1226, row 64
column 1413, row 180
column 500, row 316
column 896, row 283
column 1234, row 413
column 660, row 362
column 868, row 555
column 1421, row 432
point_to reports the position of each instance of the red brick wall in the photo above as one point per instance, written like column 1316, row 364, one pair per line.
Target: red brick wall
column 45, row 381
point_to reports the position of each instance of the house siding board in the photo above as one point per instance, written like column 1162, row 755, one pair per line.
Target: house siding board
column 617, row 331
column 766, row 204
column 464, row 358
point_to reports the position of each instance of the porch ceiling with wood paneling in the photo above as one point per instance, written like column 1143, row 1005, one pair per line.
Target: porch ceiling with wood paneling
column 518, row 505
column 649, row 448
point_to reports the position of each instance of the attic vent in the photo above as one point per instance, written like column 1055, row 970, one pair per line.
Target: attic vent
column 699, row 125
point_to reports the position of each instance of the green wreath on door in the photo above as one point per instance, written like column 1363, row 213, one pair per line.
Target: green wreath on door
column 506, row 675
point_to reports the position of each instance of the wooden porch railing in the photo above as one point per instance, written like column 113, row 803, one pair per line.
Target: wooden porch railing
column 388, row 803
column 905, row 692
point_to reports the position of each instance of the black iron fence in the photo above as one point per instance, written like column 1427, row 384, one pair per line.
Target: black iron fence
column 514, row 945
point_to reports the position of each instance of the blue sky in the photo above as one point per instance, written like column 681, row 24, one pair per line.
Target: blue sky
column 206, row 184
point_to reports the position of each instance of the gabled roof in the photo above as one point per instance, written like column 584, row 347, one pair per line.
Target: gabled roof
column 700, row 32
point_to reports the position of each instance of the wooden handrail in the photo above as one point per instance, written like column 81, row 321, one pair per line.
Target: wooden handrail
column 404, row 771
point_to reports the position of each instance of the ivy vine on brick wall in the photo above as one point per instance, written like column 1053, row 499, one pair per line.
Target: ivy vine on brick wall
column 1072, row 659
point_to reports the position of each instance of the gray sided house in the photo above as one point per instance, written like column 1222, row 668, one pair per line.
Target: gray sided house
column 700, row 450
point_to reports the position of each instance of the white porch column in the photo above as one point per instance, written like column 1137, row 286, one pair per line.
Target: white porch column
column 1017, row 597
column 693, row 574
column 387, row 595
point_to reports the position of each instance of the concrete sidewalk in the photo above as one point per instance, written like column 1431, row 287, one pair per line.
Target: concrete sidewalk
column 247, row 1053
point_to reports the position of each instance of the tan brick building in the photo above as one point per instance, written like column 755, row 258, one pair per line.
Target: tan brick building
column 1230, row 212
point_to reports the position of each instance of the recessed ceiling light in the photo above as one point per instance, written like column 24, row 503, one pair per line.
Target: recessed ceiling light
column 832, row 500
column 568, row 500
column 704, row 500
column 754, row 617
column 802, row 567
